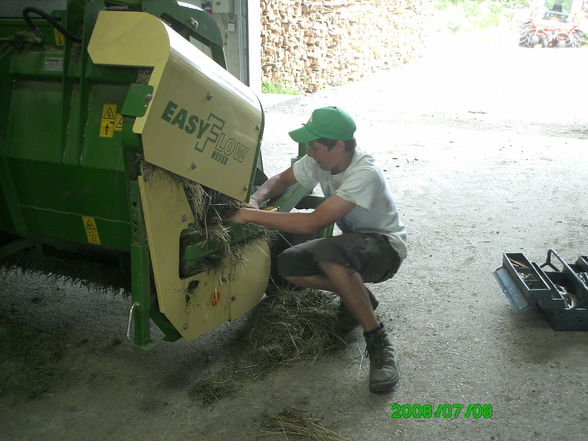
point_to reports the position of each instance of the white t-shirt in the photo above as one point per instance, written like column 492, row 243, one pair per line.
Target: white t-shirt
column 363, row 184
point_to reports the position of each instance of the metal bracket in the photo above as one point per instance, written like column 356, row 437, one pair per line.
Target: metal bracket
column 130, row 323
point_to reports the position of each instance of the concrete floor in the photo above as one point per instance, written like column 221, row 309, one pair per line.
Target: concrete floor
column 483, row 158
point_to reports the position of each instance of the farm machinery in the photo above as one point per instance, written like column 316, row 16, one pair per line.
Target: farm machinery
column 553, row 23
column 122, row 138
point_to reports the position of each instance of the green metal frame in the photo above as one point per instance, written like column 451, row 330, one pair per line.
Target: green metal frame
column 140, row 271
column 59, row 170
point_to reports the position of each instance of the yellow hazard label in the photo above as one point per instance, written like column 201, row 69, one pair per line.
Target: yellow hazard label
column 91, row 230
column 118, row 122
column 109, row 111
column 59, row 38
column 108, row 121
column 107, row 128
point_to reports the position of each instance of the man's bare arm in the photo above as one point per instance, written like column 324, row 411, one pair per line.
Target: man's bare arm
column 331, row 210
column 273, row 187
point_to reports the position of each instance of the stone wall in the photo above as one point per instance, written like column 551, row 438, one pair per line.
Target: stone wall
column 307, row 45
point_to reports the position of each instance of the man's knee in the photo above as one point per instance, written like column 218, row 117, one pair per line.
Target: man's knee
column 329, row 267
column 293, row 264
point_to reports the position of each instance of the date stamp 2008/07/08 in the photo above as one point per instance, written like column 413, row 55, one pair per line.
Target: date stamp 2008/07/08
column 445, row 410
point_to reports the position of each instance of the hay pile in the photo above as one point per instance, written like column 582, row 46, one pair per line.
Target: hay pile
column 295, row 325
column 298, row 423
column 285, row 328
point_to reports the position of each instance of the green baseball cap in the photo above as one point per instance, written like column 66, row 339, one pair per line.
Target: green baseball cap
column 326, row 122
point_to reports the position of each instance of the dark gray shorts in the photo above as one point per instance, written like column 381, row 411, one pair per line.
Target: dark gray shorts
column 370, row 254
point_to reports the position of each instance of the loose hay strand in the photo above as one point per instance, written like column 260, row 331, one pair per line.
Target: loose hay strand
column 299, row 423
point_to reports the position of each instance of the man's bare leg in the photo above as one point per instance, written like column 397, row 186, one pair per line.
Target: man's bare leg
column 348, row 284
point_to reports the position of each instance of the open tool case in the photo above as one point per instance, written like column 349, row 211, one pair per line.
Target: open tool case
column 559, row 289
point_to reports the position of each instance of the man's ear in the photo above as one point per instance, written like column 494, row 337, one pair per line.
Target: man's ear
column 340, row 145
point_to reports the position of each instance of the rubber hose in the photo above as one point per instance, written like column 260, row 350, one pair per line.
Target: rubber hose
column 29, row 9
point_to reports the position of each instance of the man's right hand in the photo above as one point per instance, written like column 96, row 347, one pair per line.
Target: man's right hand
column 253, row 204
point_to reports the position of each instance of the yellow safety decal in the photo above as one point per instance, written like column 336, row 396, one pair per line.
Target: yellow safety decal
column 91, row 230
column 118, row 122
column 59, row 38
column 109, row 111
column 108, row 121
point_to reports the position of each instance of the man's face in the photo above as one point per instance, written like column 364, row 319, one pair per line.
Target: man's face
column 325, row 158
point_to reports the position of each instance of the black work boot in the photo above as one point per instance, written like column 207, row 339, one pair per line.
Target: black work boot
column 383, row 360
column 346, row 318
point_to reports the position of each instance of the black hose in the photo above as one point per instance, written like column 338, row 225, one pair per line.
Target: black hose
column 29, row 9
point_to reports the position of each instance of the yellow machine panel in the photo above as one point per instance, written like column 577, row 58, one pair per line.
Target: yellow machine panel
column 196, row 304
column 201, row 122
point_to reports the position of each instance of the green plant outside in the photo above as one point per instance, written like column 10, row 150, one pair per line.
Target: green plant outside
column 476, row 14
column 444, row 4
column 278, row 87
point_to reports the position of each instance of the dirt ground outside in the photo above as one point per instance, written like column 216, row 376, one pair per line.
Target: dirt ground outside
column 485, row 147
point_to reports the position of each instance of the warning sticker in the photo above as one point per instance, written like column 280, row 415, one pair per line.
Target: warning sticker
column 59, row 38
column 91, row 230
column 109, row 111
column 107, row 128
column 108, row 121
column 118, row 122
